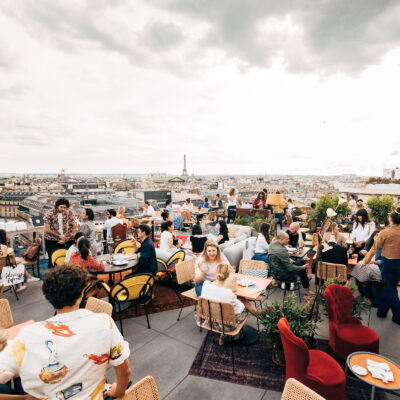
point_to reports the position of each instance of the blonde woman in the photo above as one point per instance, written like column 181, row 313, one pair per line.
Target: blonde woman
column 218, row 291
column 232, row 199
column 206, row 264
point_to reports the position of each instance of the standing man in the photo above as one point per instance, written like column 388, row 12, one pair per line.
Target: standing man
column 59, row 228
column 147, row 253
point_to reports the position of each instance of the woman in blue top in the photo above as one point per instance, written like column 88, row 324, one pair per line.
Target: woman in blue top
column 205, row 204
column 178, row 220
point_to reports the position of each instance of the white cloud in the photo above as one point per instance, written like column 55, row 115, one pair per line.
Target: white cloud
column 249, row 88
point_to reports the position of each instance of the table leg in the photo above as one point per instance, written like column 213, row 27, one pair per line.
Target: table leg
column 373, row 393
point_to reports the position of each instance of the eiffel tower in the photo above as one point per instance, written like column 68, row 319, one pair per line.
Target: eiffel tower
column 184, row 172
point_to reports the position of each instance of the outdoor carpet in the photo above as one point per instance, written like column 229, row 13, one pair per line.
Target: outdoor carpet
column 255, row 367
column 164, row 298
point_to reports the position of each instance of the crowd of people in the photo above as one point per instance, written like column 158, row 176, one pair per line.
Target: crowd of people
column 378, row 255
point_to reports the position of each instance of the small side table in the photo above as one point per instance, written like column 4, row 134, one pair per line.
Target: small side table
column 360, row 358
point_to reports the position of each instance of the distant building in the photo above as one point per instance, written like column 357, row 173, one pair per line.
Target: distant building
column 392, row 173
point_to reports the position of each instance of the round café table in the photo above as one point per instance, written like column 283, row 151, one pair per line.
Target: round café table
column 360, row 358
column 112, row 269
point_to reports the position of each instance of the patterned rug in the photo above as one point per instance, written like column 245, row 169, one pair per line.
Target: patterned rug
column 164, row 298
column 255, row 367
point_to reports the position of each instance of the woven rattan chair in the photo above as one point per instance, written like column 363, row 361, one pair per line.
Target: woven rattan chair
column 328, row 271
column 252, row 264
column 1, row 290
column 185, row 273
column 215, row 312
column 295, row 390
column 145, row 389
column 35, row 263
column 6, row 319
column 98, row 306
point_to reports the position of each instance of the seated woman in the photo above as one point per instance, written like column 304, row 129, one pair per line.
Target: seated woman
column 83, row 257
column 363, row 228
column 207, row 263
column 296, row 237
column 259, row 202
column 74, row 347
column 223, row 232
column 175, row 218
column 197, row 239
column 370, row 272
column 340, row 238
column 219, row 292
column 74, row 248
column 168, row 242
column 6, row 251
column 262, row 243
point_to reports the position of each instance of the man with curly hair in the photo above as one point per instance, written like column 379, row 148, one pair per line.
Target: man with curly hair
column 68, row 354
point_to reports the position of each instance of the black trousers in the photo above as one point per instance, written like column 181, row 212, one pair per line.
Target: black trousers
column 52, row 246
column 303, row 274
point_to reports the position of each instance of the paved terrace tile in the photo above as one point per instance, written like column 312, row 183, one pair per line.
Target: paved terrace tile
column 167, row 350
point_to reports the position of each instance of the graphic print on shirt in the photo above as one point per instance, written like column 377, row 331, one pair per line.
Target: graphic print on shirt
column 116, row 351
column 18, row 350
column 59, row 329
column 98, row 359
column 54, row 371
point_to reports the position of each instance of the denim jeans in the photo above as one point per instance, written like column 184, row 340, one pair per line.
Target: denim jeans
column 280, row 219
column 231, row 214
column 198, row 287
column 390, row 298
column 261, row 257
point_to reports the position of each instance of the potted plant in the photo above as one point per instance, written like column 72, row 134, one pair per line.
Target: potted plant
column 360, row 304
column 299, row 320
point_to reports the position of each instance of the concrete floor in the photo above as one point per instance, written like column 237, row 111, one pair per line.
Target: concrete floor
column 167, row 350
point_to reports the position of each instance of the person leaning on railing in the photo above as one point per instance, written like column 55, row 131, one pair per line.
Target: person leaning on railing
column 389, row 241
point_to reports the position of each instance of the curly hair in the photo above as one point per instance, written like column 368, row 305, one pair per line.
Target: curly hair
column 63, row 285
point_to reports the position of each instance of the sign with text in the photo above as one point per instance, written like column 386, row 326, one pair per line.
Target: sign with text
column 12, row 275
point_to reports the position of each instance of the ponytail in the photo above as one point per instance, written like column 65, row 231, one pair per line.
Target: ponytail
column 84, row 246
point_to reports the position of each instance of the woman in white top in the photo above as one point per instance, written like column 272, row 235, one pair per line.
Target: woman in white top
column 262, row 243
column 232, row 198
column 219, row 292
column 207, row 263
column 187, row 208
column 168, row 242
column 363, row 228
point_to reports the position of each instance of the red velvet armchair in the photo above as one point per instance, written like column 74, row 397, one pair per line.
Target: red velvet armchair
column 346, row 333
column 314, row 368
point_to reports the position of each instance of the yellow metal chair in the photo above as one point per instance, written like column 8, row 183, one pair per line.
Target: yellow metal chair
column 126, row 247
column 166, row 269
column 135, row 288
column 58, row 257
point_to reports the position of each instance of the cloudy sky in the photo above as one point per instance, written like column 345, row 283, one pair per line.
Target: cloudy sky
column 241, row 87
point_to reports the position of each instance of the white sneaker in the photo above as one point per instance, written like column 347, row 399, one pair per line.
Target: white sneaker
column 21, row 288
column 283, row 285
column 292, row 286
column 33, row 279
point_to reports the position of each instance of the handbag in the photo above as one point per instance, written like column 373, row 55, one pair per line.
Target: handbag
column 32, row 252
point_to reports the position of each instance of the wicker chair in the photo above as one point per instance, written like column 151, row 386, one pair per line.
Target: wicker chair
column 126, row 247
column 185, row 273
column 6, row 319
column 215, row 312
column 295, row 390
column 118, row 233
column 98, row 306
column 1, row 290
column 252, row 264
column 327, row 271
column 145, row 389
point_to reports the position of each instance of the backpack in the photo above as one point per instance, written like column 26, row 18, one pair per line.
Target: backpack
column 33, row 251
